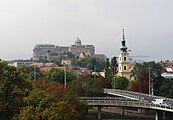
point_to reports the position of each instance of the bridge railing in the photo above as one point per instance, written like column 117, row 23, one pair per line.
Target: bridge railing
column 128, row 104
column 121, row 93
column 103, row 98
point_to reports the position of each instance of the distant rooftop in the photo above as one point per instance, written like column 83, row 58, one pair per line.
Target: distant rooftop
column 167, row 75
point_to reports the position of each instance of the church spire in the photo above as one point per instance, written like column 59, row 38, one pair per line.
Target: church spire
column 123, row 35
column 123, row 44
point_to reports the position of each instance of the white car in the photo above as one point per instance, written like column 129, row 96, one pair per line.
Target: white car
column 157, row 101
column 161, row 102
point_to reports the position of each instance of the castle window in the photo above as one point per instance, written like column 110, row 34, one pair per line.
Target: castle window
column 124, row 67
column 124, row 58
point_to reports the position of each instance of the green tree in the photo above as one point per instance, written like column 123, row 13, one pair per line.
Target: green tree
column 30, row 71
column 114, row 65
column 88, row 87
column 68, row 55
column 58, row 75
column 165, row 89
column 120, row 83
column 141, row 73
column 107, row 67
column 133, row 86
column 14, row 85
column 90, row 64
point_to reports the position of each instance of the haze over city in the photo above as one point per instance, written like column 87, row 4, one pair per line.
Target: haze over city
column 148, row 26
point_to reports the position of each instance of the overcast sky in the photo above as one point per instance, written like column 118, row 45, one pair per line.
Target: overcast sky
column 148, row 26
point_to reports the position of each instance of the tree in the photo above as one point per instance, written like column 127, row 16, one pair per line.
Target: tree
column 90, row 64
column 30, row 71
column 58, row 75
column 120, row 83
column 114, row 64
column 88, row 87
column 51, row 101
column 68, row 55
column 141, row 73
column 107, row 82
column 14, row 85
column 107, row 67
column 133, row 86
column 166, row 89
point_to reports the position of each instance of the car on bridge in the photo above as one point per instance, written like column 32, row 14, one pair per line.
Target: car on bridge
column 161, row 102
column 158, row 101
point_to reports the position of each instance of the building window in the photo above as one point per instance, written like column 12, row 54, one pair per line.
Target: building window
column 120, row 58
column 124, row 58
column 124, row 67
column 120, row 67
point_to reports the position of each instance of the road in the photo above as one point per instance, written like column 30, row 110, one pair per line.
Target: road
column 139, row 96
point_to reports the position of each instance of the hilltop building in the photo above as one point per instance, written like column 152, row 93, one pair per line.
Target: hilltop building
column 50, row 52
column 124, row 66
column 46, row 52
column 78, row 48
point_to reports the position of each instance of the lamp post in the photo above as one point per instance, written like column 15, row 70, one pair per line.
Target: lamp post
column 65, row 76
column 34, row 72
column 94, row 71
column 114, row 76
column 152, row 89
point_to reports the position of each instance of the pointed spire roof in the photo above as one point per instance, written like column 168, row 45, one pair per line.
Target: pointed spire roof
column 123, row 44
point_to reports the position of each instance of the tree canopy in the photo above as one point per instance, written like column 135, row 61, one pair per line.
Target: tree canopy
column 120, row 83
column 14, row 85
column 88, row 87
column 58, row 75
column 91, row 64
column 50, row 100
column 141, row 73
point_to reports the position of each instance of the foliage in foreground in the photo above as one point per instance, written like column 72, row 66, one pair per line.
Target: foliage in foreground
column 50, row 100
column 14, row 85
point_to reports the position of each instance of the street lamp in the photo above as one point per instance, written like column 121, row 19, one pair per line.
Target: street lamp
column 114, row 76
column 94, row 71
column 35, row 73
column 65, row 75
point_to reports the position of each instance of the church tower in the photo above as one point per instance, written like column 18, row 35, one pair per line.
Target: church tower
column 123, row 60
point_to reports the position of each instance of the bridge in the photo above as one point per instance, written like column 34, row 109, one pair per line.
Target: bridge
column 135, row 95
column 133, row 100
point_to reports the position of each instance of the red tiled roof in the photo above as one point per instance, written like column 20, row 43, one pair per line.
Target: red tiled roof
column 44, row 68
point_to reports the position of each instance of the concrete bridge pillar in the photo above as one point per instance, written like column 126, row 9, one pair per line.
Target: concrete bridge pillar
column 159, row 115
column 168, row 116
column 123, row 111
column 99, row 112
